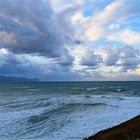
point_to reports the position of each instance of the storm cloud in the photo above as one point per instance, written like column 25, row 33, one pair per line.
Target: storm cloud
column 68, row 40
column 34, row 26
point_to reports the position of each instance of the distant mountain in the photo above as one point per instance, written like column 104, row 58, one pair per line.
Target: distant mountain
column 12, row 79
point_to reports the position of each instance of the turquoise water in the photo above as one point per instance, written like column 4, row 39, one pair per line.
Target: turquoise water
column 65, row 111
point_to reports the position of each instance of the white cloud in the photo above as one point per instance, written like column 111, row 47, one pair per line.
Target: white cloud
column 96, row 26
column 104, row 24
column 126, row 36
column 60, row 5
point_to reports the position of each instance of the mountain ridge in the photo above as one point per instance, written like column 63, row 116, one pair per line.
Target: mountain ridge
column 14, row 79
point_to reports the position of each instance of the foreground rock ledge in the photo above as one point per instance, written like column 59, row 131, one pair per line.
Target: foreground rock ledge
column 129, row 130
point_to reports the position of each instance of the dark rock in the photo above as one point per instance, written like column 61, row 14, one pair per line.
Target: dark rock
column 129, row 130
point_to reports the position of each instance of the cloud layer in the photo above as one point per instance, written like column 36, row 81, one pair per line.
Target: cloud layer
column 70, row 40
column 32, row 28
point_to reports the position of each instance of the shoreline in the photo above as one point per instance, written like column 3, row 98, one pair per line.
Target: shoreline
column 129, row 130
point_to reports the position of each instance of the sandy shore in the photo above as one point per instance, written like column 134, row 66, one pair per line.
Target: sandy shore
column 129, row 130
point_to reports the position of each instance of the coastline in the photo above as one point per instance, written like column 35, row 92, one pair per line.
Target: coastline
column 129, row 130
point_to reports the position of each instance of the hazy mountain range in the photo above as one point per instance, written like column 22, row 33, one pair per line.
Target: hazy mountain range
column 12, row 79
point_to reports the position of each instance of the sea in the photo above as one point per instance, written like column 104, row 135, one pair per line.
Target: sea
column 65, row 110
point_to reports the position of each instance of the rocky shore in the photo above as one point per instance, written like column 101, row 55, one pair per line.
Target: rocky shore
column 129, row 130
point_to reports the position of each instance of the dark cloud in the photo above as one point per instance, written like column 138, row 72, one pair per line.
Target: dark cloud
column 65, row 60
column 17, row 65
column 125, row 56
column 90, row 58
column 60, row 73
column 35, row 66
column 37, row 29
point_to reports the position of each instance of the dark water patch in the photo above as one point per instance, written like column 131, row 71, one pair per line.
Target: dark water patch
column 88, row 96
column 134, row 93
column 122, row 99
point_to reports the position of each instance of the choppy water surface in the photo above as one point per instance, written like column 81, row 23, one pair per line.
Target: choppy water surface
column 65, row 111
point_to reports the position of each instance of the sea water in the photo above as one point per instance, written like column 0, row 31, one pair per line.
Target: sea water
column 65, row 110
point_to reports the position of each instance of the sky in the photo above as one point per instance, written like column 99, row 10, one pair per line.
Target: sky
column 70, row 40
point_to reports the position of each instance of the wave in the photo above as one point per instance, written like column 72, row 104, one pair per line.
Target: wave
column 22, row 105
column 119, row 90
column 113, row 97
column 68, row 108
column 92, row 89
column 33, row 90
